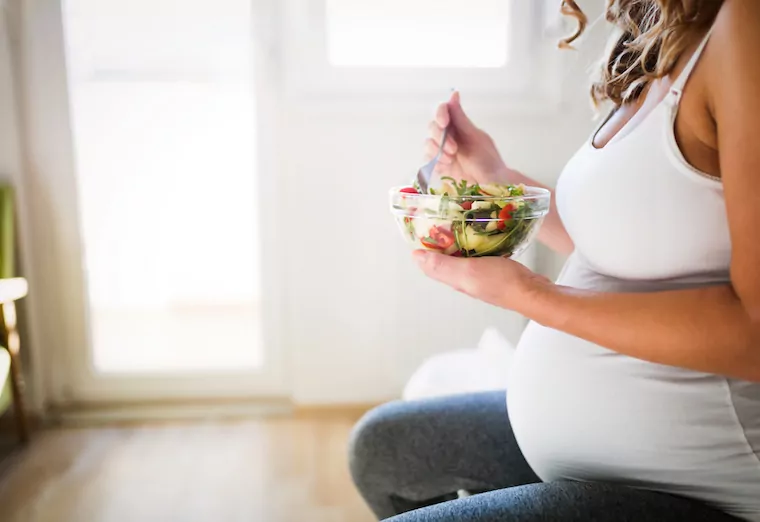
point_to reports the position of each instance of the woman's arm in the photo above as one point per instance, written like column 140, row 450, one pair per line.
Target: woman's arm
column 713, row 329
column 706, row 329
column 709, row 329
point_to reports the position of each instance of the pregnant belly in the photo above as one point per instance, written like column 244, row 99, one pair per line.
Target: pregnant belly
column 582, row 412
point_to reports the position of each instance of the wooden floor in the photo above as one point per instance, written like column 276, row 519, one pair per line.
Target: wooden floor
column 269, row 470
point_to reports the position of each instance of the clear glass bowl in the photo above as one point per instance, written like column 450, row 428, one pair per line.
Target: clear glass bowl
column 471, row 226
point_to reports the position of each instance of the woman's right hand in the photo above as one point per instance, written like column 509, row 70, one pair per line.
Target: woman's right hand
column 469, row 152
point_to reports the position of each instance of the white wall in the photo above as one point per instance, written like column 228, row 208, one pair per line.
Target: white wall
column 361, row 315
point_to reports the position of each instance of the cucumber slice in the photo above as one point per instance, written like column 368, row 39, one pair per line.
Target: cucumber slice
column 478, row 242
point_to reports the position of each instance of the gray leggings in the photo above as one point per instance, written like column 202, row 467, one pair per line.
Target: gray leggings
column 410, row 459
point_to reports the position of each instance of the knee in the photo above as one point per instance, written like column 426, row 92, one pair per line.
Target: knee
column 372, row 444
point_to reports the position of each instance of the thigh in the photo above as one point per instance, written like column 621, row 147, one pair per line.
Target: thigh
column 426, row 447
column 568, row 502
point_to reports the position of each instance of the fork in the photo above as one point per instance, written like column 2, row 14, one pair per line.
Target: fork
column 426, row 172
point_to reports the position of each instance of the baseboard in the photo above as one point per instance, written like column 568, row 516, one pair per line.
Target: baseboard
column 101, row 414
column 92, row 414
column 333, row 410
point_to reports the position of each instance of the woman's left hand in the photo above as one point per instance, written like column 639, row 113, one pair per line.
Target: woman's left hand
column 498, row 281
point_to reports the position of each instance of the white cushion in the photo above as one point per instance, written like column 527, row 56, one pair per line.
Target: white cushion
column 484, row 368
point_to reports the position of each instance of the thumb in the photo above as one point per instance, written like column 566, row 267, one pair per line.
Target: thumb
column 445, row 269
column 459, row 118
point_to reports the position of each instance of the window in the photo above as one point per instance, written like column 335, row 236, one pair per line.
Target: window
column 421, row 34
column 162, row 107
column 348, row 48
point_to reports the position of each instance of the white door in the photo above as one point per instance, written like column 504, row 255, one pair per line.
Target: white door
column 145, row 140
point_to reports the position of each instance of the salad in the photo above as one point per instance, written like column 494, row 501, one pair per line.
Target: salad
column 471, row 220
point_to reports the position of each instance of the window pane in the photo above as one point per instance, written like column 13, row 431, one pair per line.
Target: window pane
column 163, row 115
column 417, row 33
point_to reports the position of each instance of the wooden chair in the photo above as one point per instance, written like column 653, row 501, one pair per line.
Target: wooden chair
column 11, row 290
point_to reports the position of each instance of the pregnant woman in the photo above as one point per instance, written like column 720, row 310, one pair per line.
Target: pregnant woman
column 635, row 390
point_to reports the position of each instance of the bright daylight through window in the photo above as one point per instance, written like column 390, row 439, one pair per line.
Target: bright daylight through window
column 418, row 33
column 162, row 108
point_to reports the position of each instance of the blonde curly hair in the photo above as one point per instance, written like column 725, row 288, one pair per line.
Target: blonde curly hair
column 652, row 36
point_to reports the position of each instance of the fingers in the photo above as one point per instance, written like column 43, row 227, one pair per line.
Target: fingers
column 450, row 147
column 451, row 271
column 442, row 115
column 435, row 266
column 458, row 117
column 436, row 133
column 498, row 281
column 431, row 149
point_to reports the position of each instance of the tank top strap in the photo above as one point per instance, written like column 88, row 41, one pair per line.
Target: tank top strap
column 678, row 86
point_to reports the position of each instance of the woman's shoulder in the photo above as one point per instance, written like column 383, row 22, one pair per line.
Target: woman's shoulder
column 736, row 36
column 731, row 62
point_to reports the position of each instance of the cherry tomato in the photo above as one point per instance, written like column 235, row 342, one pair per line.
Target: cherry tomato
column 409, row 190
column 505, row 215
column 443, row 238
column 467, row 205
column 427, row 242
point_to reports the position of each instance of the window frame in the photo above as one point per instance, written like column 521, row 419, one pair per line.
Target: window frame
column 529, row 80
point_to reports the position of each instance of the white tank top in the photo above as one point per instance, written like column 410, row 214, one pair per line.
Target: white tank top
column 642, row 220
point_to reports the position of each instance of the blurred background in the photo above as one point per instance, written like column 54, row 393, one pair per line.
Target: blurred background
column 194, row 235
